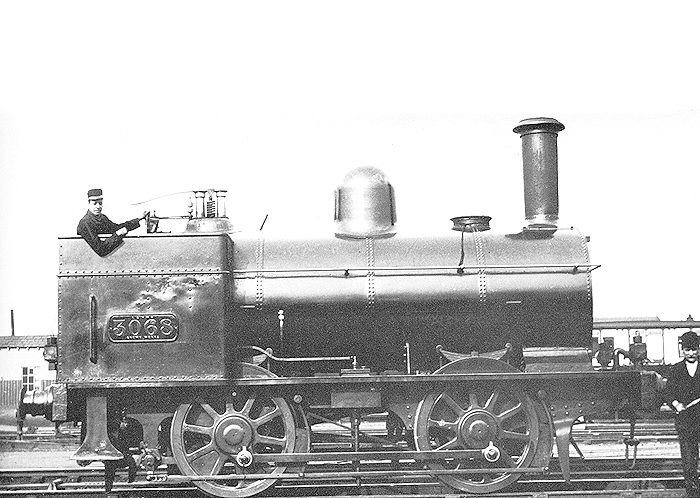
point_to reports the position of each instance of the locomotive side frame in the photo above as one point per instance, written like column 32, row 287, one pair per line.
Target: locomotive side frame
column 558, row 398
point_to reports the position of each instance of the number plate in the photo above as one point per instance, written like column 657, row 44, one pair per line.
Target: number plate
column 143, row 328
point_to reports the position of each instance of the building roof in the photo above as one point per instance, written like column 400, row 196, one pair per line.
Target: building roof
column 23, row 341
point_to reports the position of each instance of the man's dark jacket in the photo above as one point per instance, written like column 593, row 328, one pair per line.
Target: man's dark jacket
column 92, row 225
column 684, row 388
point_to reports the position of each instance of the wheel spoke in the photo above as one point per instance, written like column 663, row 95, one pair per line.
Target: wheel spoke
column 200, row 452
column 515, row 436
column 506, row 458
column 206, row 464
column 473, row 401
column 451, row 404
column 247, row 406
column 450, row 445
column 491, row 403
column 277, row 412
column 229, row 407
column 271, row 441
column 198, row 429
column 518, row 425
column 510, row 412
column 210, row 411
column 218, row 465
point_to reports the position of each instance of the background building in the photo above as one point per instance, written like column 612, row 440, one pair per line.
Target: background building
column 22, row 365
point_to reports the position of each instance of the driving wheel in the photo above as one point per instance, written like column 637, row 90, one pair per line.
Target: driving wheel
column 502, row 425
column 223, row 437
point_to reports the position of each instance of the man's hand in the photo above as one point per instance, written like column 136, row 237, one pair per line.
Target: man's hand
column 678, row 406
column 122, row 231
column 145, row 215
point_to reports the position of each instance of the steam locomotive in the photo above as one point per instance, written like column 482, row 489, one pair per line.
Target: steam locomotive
column 247, row 359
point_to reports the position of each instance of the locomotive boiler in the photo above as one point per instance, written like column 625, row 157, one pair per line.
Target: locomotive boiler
column 229, row 354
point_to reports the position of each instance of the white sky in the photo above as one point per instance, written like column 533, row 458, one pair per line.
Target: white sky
column 276, row 101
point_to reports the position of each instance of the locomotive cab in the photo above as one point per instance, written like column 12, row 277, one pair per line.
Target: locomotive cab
column 153, row 309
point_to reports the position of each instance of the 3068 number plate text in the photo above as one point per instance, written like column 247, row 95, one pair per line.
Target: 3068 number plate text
column 143, row 328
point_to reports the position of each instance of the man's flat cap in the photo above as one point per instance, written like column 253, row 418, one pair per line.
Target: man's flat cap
column 94, row 194
column 690, row 340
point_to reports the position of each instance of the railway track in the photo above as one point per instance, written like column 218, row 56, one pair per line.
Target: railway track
column 605, row 474
column 655, row 478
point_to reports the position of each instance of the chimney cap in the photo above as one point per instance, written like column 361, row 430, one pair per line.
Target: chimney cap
column 534, row 125
column 471, row 223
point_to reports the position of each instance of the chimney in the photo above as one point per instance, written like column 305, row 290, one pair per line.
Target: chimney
column 540, row 171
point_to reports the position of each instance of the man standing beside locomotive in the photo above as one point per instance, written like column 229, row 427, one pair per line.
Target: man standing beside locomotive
column 683, row 394
column 95, row 223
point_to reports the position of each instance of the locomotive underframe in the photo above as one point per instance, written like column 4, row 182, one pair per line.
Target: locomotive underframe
column 560, row 399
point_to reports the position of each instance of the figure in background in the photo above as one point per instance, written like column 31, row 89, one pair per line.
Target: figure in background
column 94, row 224
column 683, row 394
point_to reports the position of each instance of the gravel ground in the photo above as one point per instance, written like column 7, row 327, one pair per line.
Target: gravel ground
column 38, row 460
column 8, row 423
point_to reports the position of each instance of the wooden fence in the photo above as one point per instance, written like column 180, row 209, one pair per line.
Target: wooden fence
column 11, row 389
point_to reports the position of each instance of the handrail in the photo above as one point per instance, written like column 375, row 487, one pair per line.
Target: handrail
column 570, row 267
column 268, row 352
column 644, row 324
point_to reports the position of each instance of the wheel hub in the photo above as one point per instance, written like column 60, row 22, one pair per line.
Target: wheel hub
column 477, row 428
column 232, row 434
